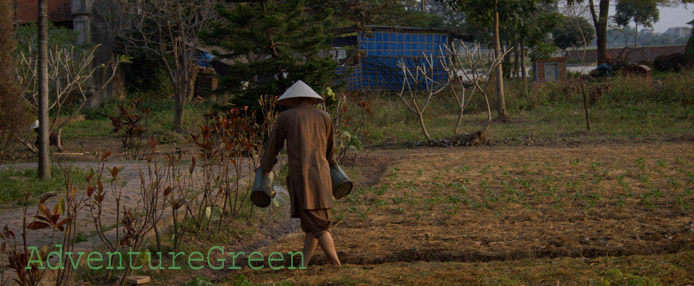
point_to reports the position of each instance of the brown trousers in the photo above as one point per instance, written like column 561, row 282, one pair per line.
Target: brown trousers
column 315, row 222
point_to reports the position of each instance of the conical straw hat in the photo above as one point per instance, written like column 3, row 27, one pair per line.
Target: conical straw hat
column 300, row 89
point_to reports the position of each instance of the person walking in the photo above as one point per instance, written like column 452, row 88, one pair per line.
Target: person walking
column 308, row 132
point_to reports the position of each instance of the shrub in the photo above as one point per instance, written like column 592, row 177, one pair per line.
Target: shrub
column 101, row 112
column 677, row 88
column 630, row 89
column 14, row 112
column 130, row 124
column 58, row 38
column 351, row 115
column 147, row 75
column 673, row 63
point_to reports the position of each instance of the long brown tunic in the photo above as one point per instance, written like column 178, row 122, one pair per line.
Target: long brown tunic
column 310, row 148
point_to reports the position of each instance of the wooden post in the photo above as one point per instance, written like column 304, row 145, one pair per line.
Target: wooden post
column 585, row 105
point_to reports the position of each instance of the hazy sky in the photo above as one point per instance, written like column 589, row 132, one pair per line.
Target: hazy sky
column 677, row 16
column 674, row 17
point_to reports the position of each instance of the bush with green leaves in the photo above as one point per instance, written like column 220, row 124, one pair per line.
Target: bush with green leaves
column 543, row 51
column 58, row 38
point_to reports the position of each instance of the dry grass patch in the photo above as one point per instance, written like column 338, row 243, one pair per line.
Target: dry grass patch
column 512, row 204
column 672, row 269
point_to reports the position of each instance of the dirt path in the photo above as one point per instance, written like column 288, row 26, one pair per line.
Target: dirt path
column 130, row 197
column 130, row 180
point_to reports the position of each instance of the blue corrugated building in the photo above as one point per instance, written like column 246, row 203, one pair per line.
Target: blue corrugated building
column 369, row 60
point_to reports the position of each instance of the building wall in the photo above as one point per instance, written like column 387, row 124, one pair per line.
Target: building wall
column 26, row 11
column 539, row 69
column 385, row 49
column 638, row 55
column 77, row 15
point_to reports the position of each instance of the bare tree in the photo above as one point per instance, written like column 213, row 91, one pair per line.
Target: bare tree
column 164, row 28
column 69, row 73
column 574, row 14
column 481, row 65
column 420, row 85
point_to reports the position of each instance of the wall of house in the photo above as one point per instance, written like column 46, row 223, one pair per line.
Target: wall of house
column 378, row 67
column 539, row 69
column 77, row 15
column 26, row 11
column 636, row 55
column 84, row 11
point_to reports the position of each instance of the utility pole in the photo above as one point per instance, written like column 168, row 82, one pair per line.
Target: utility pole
column 44, row 124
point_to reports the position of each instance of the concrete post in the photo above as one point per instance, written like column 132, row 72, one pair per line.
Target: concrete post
column 81, row 12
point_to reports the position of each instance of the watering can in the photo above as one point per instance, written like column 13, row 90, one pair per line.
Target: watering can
column 342, row 185
column 262, row 192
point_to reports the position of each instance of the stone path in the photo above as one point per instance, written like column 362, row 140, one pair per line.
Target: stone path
column 130, row 197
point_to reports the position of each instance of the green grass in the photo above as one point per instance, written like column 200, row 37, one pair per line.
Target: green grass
column 87, row 128
column 563, row 120
column 158, row 123
column 633, row 108
column 15, row 181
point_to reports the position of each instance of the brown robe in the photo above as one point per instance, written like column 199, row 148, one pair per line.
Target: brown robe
column 310, row 148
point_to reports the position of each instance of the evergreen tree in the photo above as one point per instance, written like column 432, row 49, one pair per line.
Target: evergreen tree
column 407, row 13
column 271, row 44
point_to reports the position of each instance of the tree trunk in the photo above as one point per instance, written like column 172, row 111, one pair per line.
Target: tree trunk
column 423, row 125
column 524, row 73
column 44, row 123
column 507, row 61
column 585, row 106
column 500, row 100
column 179, row 103
column 600, row 23
column 636, row 34
column 515, row 60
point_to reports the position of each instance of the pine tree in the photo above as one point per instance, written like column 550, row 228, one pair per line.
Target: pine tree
column 271, row 45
